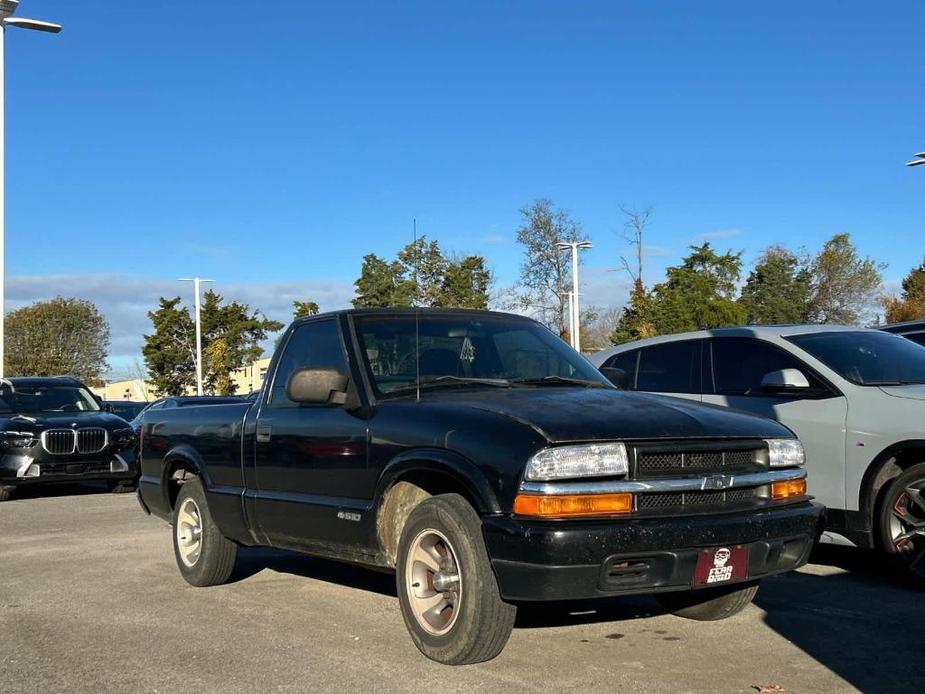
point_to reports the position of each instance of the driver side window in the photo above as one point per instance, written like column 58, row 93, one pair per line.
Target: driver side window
column 313, row 344
column 740, row 364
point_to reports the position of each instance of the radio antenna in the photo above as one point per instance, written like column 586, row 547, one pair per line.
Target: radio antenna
column 417, row 311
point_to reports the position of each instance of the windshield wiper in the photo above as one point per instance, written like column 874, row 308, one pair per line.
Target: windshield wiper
column 893, row 383
column 559, row 381
column 453, row 381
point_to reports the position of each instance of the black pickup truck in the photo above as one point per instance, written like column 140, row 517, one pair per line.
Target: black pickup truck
column 487, row 463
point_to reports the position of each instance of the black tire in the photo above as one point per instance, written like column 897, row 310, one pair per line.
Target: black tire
column 901, row 506
column 121, row 486
column 710, row 604
column 6, row 492
column 479, row 623
column 214, row 562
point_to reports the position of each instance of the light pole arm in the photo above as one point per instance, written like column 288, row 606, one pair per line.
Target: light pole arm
column 34, row 24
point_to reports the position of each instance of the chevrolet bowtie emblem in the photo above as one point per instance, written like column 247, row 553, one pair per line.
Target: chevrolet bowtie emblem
column 718, row 482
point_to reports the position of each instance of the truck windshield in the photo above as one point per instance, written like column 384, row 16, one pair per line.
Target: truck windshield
column 458, row 350
column 46, row 399
column 868, row 357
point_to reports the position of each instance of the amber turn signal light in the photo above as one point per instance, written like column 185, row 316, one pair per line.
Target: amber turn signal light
column 788, row 489
column 572, row 505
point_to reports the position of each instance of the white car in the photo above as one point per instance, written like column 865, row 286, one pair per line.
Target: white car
column 854, row 397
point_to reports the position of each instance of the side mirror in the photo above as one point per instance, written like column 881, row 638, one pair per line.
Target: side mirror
column 784, row 381
column 107, row 407
column 615, row 376
column 321, row 385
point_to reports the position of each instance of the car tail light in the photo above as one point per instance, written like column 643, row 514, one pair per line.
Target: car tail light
column 788, row 489
column 572, row 505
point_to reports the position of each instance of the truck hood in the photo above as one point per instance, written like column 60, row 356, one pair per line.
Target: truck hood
column 913, row 391
column 597, row 414
column 64, row 420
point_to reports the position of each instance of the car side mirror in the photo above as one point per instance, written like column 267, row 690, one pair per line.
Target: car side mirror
column 785, row 381
column 107, row 407
column 615, row 376
column 322, row 385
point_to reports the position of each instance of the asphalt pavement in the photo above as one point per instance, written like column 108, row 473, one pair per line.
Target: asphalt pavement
column 91, row 601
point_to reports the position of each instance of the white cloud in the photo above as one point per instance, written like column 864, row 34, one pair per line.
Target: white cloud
column 491, row 240
column 718, row 234
column 125, row 300
column 656, row 251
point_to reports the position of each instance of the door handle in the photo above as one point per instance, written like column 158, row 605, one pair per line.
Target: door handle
column 264, row 433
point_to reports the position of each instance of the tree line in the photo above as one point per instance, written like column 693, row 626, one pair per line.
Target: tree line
column 708, row 288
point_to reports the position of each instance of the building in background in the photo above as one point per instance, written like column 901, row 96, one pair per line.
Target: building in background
column 245, row 379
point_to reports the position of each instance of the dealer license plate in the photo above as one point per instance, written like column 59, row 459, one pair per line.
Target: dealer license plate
column 721, row 565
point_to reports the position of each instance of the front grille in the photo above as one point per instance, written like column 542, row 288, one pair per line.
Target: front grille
column 59, row 441
column 91, row 440
column 70, row 441
column 681, row 501
column 660, row 463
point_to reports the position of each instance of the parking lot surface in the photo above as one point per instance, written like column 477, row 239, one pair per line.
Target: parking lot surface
column 91, row 601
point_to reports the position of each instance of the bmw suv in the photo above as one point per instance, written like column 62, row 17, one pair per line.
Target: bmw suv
column 52, row 429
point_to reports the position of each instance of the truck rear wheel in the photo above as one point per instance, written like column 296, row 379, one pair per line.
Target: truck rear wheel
column 204, row 556
column 711, row 604
column 447, row 590
column 902, row 522
column 6, row 491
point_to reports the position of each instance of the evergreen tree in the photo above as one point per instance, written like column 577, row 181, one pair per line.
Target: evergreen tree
column 699, row 293
column 170, row 351
column 778, row 289
column 301, row 309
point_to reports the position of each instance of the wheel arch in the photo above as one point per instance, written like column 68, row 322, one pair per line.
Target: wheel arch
column 417, row 475
column 891, row 462
column 179, row 463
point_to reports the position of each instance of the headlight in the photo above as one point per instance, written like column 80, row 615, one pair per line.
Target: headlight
column 17, row 439
column 785, row 452
column 124, row 437
column 586, row 460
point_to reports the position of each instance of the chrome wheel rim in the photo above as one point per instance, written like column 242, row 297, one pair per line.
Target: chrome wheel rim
column 433, row 582
column 189, row 532
column 907, row 526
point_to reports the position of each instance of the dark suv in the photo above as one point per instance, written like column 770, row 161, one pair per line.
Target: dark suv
column 52, row 429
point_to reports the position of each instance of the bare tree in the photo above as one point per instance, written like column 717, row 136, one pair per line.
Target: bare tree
column 545, row 273
column 634, row 229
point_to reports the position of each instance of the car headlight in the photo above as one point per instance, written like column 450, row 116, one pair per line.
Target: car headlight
column 124, row 437
column 785, row 452
column 17, row 439
column 586, row 460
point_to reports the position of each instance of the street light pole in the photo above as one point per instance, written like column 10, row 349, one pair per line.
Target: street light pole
column 196, row 283
column 574, row 328
column 7, row 8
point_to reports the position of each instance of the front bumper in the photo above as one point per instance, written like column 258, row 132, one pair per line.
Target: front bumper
column 588, row 559
column 20, row 470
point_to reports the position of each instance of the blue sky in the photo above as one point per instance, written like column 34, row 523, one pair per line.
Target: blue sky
column 271, row 145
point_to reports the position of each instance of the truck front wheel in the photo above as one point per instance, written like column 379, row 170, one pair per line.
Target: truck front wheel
column 711, row 604
column 204, row 556
column 448, row 593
